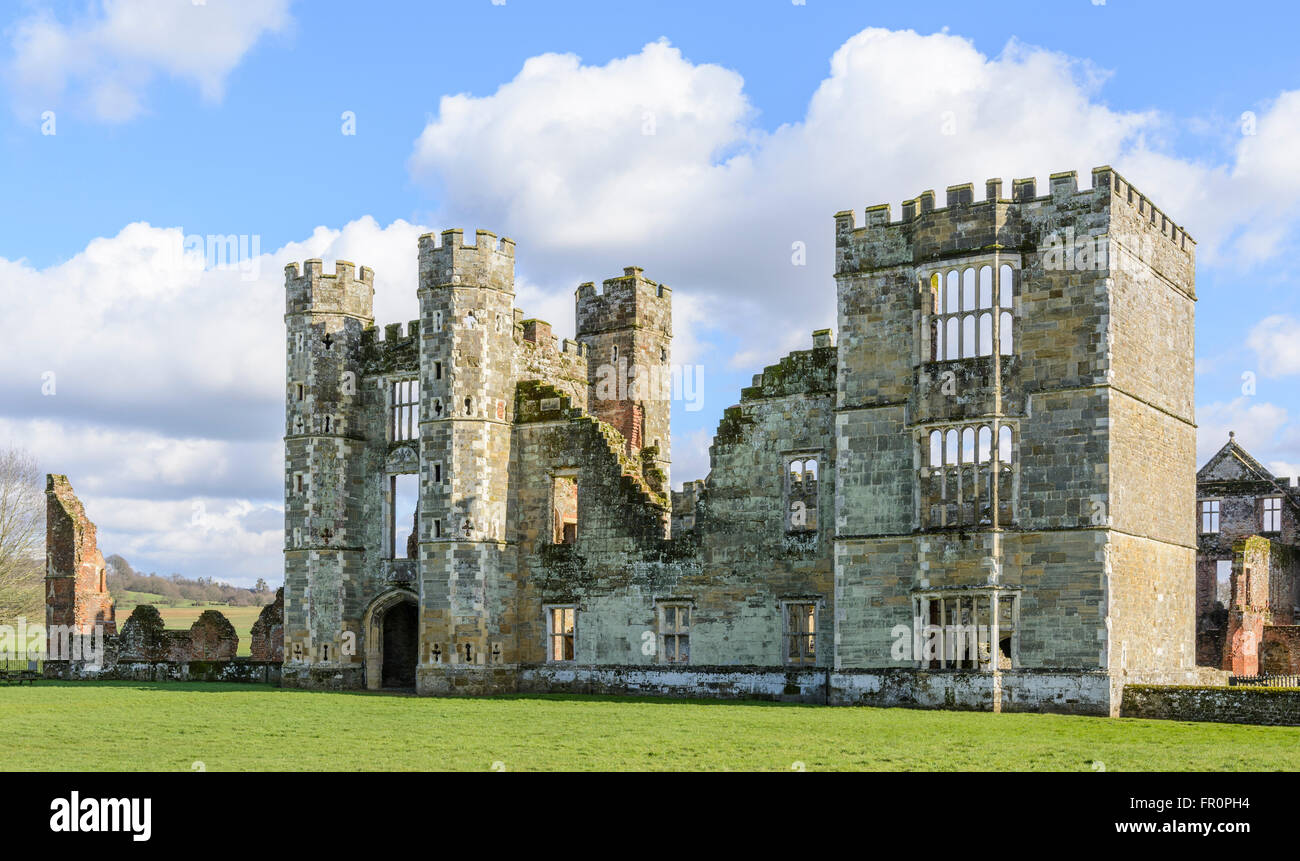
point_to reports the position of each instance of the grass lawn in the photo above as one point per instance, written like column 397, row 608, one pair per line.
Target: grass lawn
column 185, row 613
column 126, row 726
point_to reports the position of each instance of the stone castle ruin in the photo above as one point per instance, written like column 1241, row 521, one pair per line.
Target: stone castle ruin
column 954, row 505
column 980, row 497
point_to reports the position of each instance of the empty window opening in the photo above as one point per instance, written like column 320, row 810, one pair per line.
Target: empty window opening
column 300, row 391
column 469, row 406
column 561, row 633
column 297, row 482
column 1223, row 582
column 960, row 313
column 564, row 510
column 403, row 502
column 437, row 529
column 962, row 476
column 404, row 422
column 327, row 424
column 801, row 493
column 800, row 633
column 1272, row 514
column 675, row 633
column 437, row 370
column 437, row 321
column 958, row 630
column 1209, row 516
column 437, row 473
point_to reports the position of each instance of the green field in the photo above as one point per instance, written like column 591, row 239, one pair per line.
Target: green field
column 182, row 614
column 169, row 727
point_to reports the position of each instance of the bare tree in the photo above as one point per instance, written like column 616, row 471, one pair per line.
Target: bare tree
column 22, row 536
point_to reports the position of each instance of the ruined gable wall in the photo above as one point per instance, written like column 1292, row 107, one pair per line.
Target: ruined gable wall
column 614, row 567
column 75, row 577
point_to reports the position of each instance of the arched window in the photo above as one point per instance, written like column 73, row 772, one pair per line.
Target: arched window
column 1006, row 333
column 1004, row 444
column 950, row 456
column 985, row 443
column 936, row 448
column 980, row 297
column 968, row 445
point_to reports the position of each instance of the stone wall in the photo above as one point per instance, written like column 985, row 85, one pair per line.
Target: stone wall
column 1276, row 706
column 76, row 584
column 267, row 636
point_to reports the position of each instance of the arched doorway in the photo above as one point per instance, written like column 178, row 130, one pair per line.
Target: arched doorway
column 392, row 634
column 401, row 645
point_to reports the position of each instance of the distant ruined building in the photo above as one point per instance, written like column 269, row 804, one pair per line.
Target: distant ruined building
column 981, row 497
column 1247, row 566
column 80, row 618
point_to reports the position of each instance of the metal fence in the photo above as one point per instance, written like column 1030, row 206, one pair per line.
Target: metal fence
column 1264, row 681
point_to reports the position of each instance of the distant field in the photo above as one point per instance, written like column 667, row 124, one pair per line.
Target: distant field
column 185, row 613
column 170, row 727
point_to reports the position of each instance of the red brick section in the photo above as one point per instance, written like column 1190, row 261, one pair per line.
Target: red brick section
column 76, row 587
column 1280, row 654
column 267, row 637
column 213, row 638
column 627, row 418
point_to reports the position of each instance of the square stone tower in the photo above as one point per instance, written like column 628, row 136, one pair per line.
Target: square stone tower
column 1015, row 433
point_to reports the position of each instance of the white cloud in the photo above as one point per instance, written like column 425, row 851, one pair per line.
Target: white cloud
column 108, row 56
column 1256, row 423
column 167, row 383
column 1276, row 342
column 691, row 456
column 559, row 158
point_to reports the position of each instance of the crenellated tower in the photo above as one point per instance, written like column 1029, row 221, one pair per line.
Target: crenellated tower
column 627, row 327
column 324, row 443
column 467, row 324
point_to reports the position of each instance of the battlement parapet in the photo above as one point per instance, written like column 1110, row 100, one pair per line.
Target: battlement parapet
column 310, row 289
column 627, row 300
column 995, row 221
column 395, row 352
column 448, row 261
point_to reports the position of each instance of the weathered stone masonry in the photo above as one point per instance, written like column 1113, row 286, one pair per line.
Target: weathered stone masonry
column 1013, row 377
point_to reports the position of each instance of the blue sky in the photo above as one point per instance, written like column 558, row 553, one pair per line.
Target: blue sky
column 530, row 119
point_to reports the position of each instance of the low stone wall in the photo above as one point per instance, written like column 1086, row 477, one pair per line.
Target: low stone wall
column 757, row 683
column 1273, row 706
column 236, row 670
column 1071, row 692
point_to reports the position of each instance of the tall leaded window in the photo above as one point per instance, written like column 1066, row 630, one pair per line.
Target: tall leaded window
column 405, row 412
column 969, row 310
